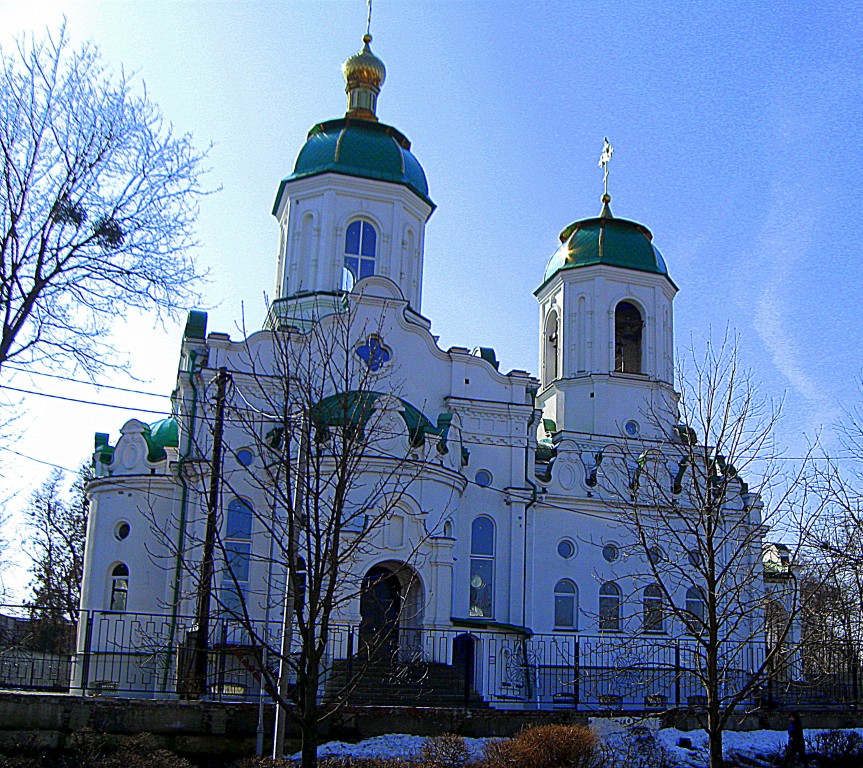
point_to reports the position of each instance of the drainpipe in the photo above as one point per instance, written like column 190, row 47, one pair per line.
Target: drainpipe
column 184, row 500
column 533, row 498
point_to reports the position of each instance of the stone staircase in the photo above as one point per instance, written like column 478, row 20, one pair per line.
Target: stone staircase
column 416, row 683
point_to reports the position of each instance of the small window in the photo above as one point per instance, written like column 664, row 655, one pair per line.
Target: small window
column 609, row 607
column 482, row 568
column 653, row 612
column 483, row 478
column 610, row 552
column 696, row 610
column 239, row 520
column 656, row 556
column 695, row 559
column 245, row 457
column 122, row 530
column 360, row 249
column 566, row 549
column 119, row 587
column 565, row 604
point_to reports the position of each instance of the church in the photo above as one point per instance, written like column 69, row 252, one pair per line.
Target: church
column 478, row 517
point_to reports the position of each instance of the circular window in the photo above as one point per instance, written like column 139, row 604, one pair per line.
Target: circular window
column 694, row 557
column 566, row 549
column 632, row 428
column 483, row 478
column 122, row 530
column 245, row 457
column 655, row 555
column 610, row 552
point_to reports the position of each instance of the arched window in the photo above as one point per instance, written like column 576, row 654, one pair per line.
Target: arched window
column 565, row 604
column 552, row 347
column 653, row 613
column 119, row 587
column 361, row 245
column 609, row 607
column 237, row 543
column 628, row 325
column 482, row 568
column 696, row 610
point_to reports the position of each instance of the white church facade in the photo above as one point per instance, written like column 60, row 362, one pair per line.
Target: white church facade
column 499, row 545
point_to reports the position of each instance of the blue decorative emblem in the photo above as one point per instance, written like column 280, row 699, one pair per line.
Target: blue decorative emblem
column 373, row 353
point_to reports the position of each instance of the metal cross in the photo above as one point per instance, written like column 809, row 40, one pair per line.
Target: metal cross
column 369, row 18
column 607, row 152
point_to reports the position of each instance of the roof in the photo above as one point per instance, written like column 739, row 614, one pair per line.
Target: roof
column 361, row 148
column 606, row 240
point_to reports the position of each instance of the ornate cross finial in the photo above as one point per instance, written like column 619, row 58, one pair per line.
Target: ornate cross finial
column 604, row 158
column 369, row 18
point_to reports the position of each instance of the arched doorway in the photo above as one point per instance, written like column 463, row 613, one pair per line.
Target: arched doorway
column 464, row 662
column 380, row 609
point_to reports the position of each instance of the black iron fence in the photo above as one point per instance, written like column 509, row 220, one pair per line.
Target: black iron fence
column 151, row 655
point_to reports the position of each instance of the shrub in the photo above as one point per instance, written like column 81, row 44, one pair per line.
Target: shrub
column 843, row 748
column 142, row 751
column 447, row 751
column 546, row 746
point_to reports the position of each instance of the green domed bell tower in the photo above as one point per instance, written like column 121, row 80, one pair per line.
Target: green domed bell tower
column 606, row 331
column 355, row 205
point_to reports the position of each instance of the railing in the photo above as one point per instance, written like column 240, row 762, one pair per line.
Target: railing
column 150, row 655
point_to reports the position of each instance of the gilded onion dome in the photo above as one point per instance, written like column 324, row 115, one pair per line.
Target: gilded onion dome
column 364, row 75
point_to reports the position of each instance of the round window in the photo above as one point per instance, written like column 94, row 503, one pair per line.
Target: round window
column 566, row 549
column 483, row 478
column 694, row 557
column 245, row 457
column 122, row 530
column 655, row 555
column 610, row 552
column 632, row 428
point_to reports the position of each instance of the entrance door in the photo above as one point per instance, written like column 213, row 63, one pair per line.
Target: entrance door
column 380, row 608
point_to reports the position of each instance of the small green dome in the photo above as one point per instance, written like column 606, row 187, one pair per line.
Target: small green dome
column 362, row 148
column 163, row 434
column 606, row 240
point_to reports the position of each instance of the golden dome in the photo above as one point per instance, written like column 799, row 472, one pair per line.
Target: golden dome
column 364, row 68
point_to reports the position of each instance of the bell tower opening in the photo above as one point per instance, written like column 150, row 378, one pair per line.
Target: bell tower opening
column 628, row 326
column 551, row 337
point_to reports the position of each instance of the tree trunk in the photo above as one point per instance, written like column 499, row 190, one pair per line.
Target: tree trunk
column 309, row 722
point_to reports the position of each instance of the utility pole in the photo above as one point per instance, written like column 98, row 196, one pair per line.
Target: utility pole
column 205, row 581
column 297, row 517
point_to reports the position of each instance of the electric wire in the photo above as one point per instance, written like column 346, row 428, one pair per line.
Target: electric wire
column 85, row 382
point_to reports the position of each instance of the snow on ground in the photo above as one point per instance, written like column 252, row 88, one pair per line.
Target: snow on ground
column 620, row 735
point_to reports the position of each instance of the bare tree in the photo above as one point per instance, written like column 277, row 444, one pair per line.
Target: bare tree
column 97, row 202
column 320, row 455
column 696, row 531
column 56, row 519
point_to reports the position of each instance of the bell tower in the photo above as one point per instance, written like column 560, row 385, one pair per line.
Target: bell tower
column 606, row 330
column 355, row 205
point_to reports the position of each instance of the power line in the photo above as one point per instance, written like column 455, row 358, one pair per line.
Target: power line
column 85, row 382
column 82, row 401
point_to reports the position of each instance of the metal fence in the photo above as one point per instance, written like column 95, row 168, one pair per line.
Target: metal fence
column 150, row 655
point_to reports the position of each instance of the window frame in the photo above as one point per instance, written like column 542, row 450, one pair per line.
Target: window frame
column 566, row 599
column 482, row 568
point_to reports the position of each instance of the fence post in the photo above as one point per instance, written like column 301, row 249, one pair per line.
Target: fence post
column 678, row 671
column 576, row 672
column 85, row 664
column 350, row 676
column 854, row 689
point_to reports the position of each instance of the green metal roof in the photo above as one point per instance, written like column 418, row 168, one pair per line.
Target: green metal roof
column 360, row 148
column 162, row 434
column 606, row 240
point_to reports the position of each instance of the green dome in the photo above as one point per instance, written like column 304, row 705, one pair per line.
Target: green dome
column 362, row 148
column 606, row 240
column 163, row 434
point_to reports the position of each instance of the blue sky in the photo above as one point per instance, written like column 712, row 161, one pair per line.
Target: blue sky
column 738, row 140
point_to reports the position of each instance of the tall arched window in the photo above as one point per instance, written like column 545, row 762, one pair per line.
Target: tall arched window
column 119, row 587
column 696, row 610
column 552, row 347
column 609, row 607
column 628, row 325
column 565, row 604
column 237, row 544
column 653, row 613
column 482, row 568
column 361, row 245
